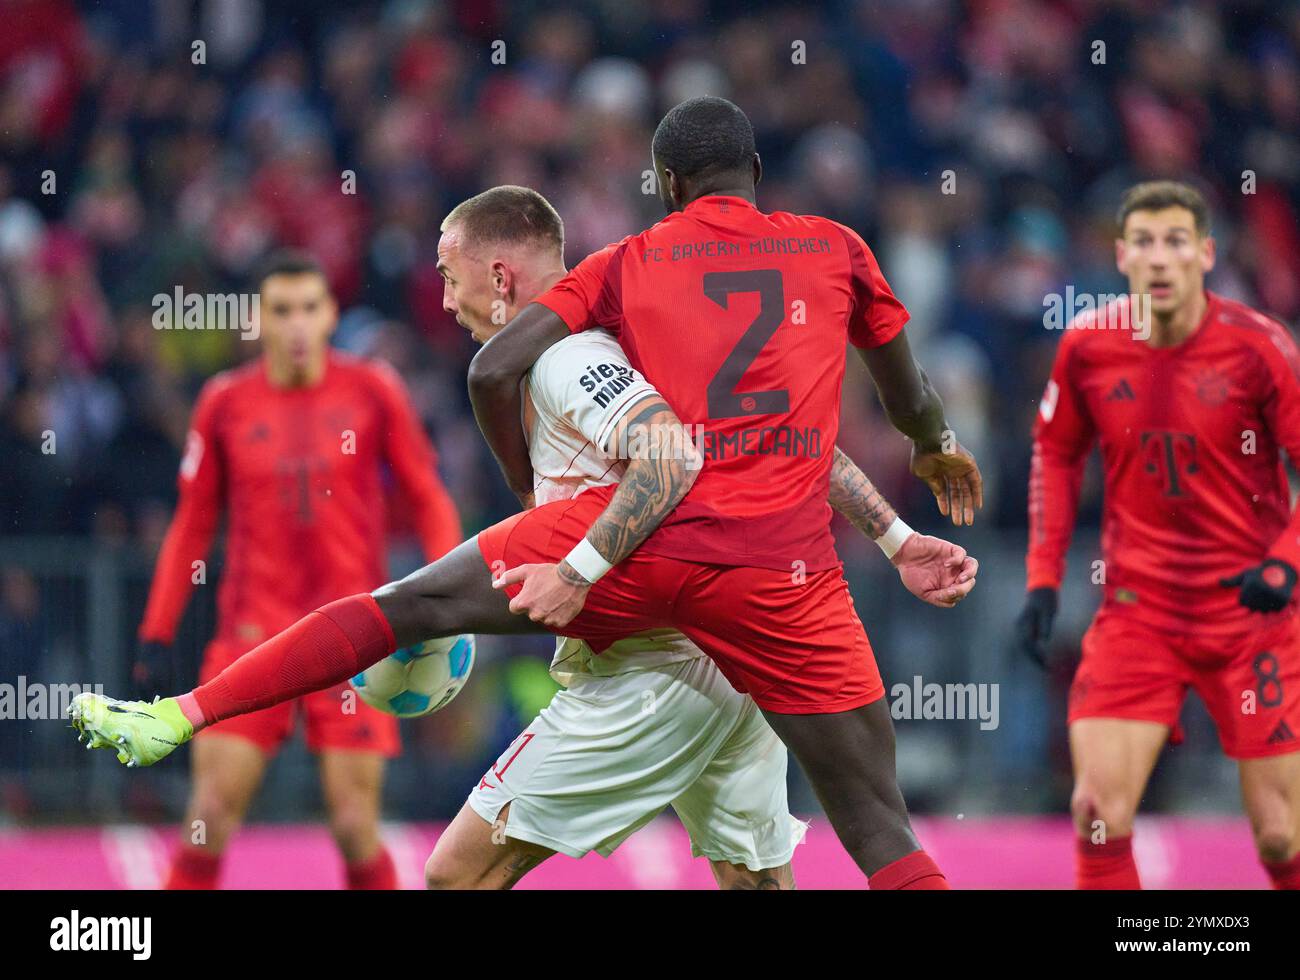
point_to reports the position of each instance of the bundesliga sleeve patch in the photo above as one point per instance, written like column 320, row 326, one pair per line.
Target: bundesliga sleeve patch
column 193, row 455
column 1047, row 405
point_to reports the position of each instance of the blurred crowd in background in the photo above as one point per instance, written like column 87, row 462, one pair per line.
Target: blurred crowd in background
column 979, row 147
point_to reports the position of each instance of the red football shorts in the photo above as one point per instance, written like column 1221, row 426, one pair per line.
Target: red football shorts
column 792, row 642
column 1248, row 678
column 359, row 728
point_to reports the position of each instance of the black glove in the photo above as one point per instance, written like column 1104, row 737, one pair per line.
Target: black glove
column 153, row 668
column 1265, row 588
column 1034, row 625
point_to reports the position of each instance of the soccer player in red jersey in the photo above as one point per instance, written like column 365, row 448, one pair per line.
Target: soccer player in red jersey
column 1191, row 398
column 292, row 448
column 740, row 319
column 500, row 250
column 595, row 763
column 759, row 590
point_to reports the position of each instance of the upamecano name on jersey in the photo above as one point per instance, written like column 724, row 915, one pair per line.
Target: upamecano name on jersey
column 763, row 440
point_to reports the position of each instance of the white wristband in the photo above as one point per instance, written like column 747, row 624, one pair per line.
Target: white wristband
column 894, row 536
column 587, row 561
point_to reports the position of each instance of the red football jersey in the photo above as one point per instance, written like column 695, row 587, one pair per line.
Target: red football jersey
column 298, row 473
column 1195, row 489
column 740, row 320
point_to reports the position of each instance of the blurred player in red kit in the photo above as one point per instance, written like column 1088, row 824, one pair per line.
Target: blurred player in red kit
column 291, row 447
column 1191, row 397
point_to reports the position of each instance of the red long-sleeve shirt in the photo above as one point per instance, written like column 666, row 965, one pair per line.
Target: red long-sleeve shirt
column 1190, row 440
column 299, row 474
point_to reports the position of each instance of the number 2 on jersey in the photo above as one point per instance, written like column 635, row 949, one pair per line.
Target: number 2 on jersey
column 724, row 400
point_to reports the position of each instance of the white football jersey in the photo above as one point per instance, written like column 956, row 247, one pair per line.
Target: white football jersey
column 576, row 394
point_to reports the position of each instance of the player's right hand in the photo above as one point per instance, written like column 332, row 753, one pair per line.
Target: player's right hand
column 152, row 671
column 954, row 479
column 549, row 596
column 1034, row 626
column 934, row 570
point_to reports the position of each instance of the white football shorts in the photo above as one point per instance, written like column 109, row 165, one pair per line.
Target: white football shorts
column 609, row 753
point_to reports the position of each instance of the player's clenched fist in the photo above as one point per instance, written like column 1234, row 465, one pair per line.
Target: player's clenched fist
column 552, row 594
column 935, row 571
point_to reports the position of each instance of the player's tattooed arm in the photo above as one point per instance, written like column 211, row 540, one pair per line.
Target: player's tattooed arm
column 935, row 571
column 856, row 497
column 662, row 464
column 495, row 378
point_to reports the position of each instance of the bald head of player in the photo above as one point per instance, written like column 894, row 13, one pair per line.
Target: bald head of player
column 498, row 251
column 1165, row 250
column 704, row 146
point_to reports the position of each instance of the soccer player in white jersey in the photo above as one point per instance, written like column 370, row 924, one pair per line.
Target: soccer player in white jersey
column 650, row 722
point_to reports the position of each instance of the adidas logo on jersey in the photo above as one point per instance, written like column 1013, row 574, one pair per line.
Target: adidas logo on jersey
column 1122, row 392
column 1282, row 733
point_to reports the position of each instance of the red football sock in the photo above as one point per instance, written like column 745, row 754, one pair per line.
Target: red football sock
column 1285, row 874
column 322, row 649
column 1108, row 865
column 193, row 868
column 377, row 874
column 913, row 872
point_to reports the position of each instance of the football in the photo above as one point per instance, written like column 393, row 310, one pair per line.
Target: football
column 418, row 680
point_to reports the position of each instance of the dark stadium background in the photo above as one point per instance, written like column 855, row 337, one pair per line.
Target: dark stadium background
column 174, row 174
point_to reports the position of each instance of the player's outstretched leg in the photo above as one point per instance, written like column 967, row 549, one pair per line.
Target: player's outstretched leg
column 848, row 757
column 473, row 854
column 326, row 647
column 452, row 595
column 1113, row 759
column 1270, row 789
